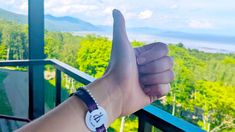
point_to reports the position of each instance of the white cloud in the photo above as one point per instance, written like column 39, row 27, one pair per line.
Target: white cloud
column 71, row 9
column 200, row 24
column 24, row 6
column 170, row 14
column 146, row 14
column 10, row 2
column 174, row 6
column 108, row 10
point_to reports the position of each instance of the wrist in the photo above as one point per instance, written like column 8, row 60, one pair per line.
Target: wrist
column 107, row 96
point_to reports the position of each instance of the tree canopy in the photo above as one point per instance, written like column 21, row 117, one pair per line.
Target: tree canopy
column 202, row 93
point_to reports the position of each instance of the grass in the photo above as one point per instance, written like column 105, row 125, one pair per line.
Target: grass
column 50, row 92
column 131, row 125
column 5, row 107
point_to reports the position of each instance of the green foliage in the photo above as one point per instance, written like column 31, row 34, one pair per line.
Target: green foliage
column 203, row 90
column 196, row 92
column 137, row 43
column 131, row 125
column 93, row 55
column 50, row 92
column 202, row 93
column 14, row 39
column 53, row 44
column 3, row 52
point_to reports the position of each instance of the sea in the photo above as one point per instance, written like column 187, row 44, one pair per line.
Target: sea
column 202, row 45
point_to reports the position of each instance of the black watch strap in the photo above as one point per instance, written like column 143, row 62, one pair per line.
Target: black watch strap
column 85, row 96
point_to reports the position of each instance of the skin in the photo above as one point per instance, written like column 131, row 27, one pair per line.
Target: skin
column 134, row 78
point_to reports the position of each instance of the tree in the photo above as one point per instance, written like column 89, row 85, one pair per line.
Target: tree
column 53, row 45
column 3, row 52
column 93, row 55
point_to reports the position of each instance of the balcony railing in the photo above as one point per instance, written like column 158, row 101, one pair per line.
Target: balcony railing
column 147, row 117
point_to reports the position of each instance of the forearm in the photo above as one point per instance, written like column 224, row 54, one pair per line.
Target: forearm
column 70, row 115
column 126, row 87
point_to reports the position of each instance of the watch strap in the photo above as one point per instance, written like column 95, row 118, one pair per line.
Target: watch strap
column 86, row 97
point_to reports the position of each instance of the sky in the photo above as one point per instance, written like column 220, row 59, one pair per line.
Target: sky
column 194, row 16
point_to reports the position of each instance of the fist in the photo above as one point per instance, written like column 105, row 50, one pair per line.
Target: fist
column 155, row 69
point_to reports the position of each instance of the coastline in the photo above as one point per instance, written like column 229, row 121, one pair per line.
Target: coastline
column 206, row 46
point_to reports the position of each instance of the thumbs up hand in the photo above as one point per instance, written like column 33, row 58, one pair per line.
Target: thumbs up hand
column 138, row 76
column 134, row 78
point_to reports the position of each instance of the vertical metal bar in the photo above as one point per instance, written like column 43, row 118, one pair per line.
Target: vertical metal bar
column 58, row 87
column 36, row 51
column 143, row 125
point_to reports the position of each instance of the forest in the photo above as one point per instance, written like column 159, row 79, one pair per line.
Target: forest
column 203, row 91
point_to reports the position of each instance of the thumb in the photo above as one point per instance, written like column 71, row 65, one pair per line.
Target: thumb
column 121, row 47
column 119, row 29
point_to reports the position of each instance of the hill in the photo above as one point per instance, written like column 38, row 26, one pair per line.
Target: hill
column 52, row 23
column 14, row 17
column 72, row 24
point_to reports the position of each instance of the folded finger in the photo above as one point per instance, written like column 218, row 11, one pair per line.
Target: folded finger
column 157, row 78
column 157, row 51
column 163, row 64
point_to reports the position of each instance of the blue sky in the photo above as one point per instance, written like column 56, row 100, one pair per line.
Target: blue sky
column 196, row 16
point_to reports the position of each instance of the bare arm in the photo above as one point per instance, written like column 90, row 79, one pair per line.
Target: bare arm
column 70, row 115
column 133, row 79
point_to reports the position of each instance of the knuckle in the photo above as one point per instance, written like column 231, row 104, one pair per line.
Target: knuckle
column 162, row 46
column 164, row 90
column 170, row 61
column 171, row 75
column 167, row 90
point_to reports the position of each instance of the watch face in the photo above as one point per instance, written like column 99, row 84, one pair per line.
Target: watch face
column 96, row 118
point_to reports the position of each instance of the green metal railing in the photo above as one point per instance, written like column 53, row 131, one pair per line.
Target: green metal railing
column 148, row 115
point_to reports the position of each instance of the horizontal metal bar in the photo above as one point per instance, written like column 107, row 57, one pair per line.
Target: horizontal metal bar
column 73, row 72
column 150, row 114
column 69, row 70
column 165, row 121
column 14, row 118
column 24, row 62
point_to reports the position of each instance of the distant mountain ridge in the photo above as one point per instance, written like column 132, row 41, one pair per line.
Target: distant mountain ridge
column 67, row 23
column 52, row 23
column 14, row 17
column 71, row 24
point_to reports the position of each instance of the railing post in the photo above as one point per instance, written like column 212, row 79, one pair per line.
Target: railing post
column 143, row 125
column 36, row 51
column 58, row 87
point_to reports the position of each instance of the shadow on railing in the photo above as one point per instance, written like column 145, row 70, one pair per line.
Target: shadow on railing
column 148, row 116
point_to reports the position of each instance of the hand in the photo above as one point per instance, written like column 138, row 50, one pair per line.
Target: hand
column 136, row 86
column 155, row 69
column 125, row 88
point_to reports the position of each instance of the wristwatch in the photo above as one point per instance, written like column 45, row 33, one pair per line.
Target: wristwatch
column 96, row 117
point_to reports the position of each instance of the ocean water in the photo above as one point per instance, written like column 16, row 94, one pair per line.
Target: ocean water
column 206, row 46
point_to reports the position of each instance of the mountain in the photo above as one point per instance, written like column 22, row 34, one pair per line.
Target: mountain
column 71, row 24
column 52, row 23
column 67, row 23
column 14, row 17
